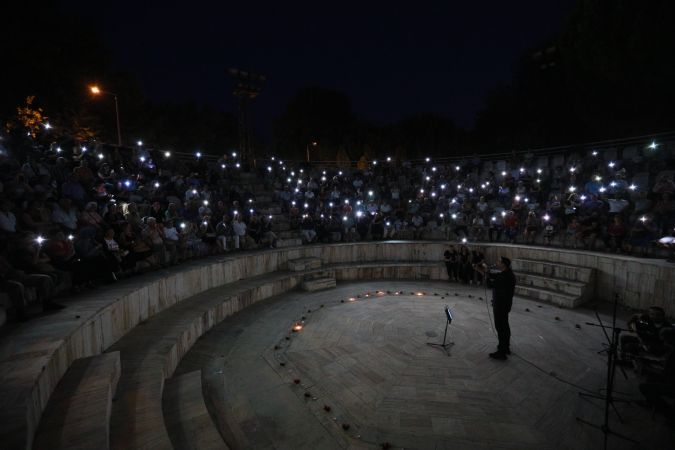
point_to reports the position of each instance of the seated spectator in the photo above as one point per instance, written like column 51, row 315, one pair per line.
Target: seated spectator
column 496, row 228
column 573, row 232
column 90, row 216
column 478, row 227
column 91, row 252
column 138, row 250
column 174, row 241
column 7, row 218
column 511, row 226
column 239, row 231
column 132, row 216
column 308, row 228
column 616, row 232
column 65, row 215
column 269, row 237
column 550, row 229
column 532, row 225
column 640, row 236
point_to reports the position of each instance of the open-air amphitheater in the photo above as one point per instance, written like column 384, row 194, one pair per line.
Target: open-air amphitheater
column 324, row 346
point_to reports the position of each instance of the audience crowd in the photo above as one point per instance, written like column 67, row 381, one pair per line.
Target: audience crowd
column 73, row 216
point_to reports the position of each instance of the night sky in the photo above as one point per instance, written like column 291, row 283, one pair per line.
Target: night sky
column 393, row 61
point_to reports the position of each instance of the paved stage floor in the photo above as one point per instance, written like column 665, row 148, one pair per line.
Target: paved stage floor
column 367, row 361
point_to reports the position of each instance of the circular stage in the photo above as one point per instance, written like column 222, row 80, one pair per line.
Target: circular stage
column 359, row 373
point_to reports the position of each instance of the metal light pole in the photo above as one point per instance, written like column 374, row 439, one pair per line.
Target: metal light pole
column 97, row 91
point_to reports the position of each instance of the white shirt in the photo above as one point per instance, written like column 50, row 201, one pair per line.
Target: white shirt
column 171, row 234
column 239, row 228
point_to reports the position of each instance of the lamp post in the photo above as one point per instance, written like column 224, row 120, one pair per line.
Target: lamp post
column 98, row 91
column 314, row 144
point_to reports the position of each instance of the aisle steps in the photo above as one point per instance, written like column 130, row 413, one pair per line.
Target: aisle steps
column 561, row 284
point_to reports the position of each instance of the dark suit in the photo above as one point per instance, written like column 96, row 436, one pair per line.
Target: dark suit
column 503, row 286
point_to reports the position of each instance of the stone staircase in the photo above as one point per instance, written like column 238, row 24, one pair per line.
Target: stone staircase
column 561, row 284
column 319, row 278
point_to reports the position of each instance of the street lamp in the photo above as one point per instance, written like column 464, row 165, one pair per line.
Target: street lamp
column 314, row 144
column 95, row 90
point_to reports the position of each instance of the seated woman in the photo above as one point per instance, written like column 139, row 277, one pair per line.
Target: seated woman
column 531, row 227
column 137, row 250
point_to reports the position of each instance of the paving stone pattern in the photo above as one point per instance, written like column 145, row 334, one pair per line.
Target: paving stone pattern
column 368, row 361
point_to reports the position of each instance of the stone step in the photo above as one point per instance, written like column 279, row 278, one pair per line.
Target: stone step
column 317, row 284
column 554, row 284
column 280, row 225
column 320, row 273
column 554, row 270
column 151, row 351
column 281, row 243
column 301, row 264
column 289, row 234
column 548, row 296
column 187, row 420
column 78, row 412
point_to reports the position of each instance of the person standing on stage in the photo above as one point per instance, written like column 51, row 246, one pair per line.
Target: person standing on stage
column 450, row 256
column 503, row 284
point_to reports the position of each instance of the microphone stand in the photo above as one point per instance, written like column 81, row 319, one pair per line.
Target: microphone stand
column 608, row 397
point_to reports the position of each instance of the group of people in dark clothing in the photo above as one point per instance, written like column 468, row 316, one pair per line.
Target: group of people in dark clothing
column 459, row 264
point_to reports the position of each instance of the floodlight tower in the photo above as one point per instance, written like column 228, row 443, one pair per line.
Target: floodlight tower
column 246, row 87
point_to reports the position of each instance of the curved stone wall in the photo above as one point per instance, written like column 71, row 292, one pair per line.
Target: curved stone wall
column 33, row 359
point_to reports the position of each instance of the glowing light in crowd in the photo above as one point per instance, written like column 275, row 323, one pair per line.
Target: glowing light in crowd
column 441, row 215
column 47, row 126
column 643, row 219
column 595, row 153
column 463, row 240
column 522, row 169
column 330, row 204
column 611, row 164
column 632, row 187
column 100, row 156
column 421, row 191
column 388, row 223
column 358, row 202
column 653, row 145
column 58, row 150
column 503, row 173
column 457, row 168
column 272, row 158
column 602, row 189
column 235, row 212
column 222, row 166
column 139, row 143
column 538, row 180
column 547, row 217
column 494, row 219
column 156, row 184
column 206, row 203
column 598, row 178
column 442, row 186
column 527, row 199
column 388, row 158
column 459, row 186
column 503, row 213
column 194, row 191
column 237, row 165
column 306, row 205
column 251, row 210
column 539, row 171
column 433, row 194
column 198, row 154
column 234, row 155
column 433, row 169
column 573, row 169
column 71, row 237
column 346, row 201
column 370, row 193
column 470, row 189
column 302, row 170
column 340, row 173
column 428, row 178
column 127, row 183
column 517, row 198
column 167, row 154
column 375, row 162
column 613, row 184
column 572, row 188
column 269, row 168
column 269, row 217
column 427, row 159
column 359, row 214
column 39, row 240
column 344, row 218
column 84, row 149
column 182, row 225
column 142, row 158
column 583, row 197
column 454, row 216
column 289, row 179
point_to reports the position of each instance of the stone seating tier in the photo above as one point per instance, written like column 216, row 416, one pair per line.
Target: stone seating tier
column 187, row 419
column 34, row 356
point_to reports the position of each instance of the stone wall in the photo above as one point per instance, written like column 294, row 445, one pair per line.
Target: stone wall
column 33, row 359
